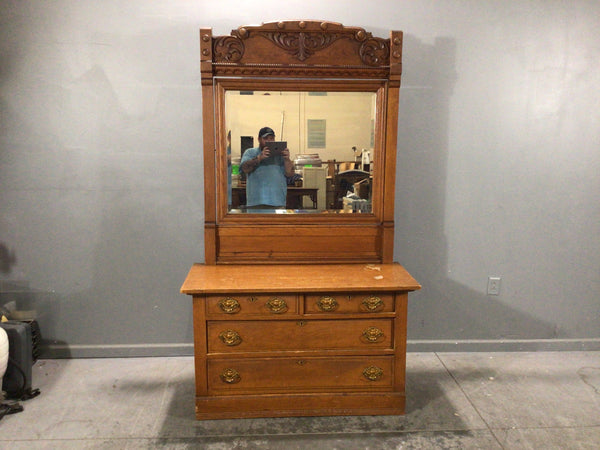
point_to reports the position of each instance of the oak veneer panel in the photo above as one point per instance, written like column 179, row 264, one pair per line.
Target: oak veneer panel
column 316, row 243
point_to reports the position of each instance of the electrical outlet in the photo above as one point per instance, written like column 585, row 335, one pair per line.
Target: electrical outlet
column 493, row 287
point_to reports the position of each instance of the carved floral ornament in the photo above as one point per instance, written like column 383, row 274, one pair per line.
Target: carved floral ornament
column 302, row 40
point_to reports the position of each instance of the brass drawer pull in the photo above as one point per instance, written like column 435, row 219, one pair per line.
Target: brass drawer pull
column 277, row 305
column 230, row 338
column 229, row 305
column 373, row 373
column 230, row 376
column 327, row 303
column 373, row 334
column 372, row 303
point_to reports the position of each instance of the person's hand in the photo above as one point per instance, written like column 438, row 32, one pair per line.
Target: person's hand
column 286, row 153
column 264, row 154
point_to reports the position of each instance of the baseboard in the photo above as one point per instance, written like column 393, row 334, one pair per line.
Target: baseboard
column 187, row 349
column 62, row 351
column 509, row 345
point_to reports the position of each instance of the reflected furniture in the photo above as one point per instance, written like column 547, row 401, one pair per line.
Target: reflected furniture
column 299, row 314
column 295, row 194
column 344, row 182
column 316, row 177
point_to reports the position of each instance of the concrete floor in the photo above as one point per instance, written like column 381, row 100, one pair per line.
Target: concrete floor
column 542, row 400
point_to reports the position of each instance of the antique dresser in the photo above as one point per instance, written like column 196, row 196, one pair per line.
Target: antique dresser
column 300, row 312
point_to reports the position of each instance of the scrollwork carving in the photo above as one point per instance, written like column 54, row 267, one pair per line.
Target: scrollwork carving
column 302, row 39
column 228, row 49
column 301, row 45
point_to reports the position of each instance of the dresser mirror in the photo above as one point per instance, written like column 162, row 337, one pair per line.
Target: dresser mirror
column 331, row 93
column 331, row 137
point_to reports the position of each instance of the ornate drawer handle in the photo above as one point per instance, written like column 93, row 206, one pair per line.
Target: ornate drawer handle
column 230, row 338
column 373, row 334
column 230, row 376
column 327, row 303
column 229, row 305
column 277, row 305
column 372, row 303
column 373, row 373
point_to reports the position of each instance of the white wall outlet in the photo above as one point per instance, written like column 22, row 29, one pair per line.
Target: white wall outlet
column 493, row 287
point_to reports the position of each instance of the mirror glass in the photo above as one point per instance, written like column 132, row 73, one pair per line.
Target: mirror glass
column 330, row 137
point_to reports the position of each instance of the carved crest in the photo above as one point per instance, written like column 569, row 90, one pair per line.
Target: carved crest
column 304, row 39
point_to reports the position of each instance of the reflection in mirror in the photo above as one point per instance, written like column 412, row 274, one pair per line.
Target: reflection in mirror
column 330, row 137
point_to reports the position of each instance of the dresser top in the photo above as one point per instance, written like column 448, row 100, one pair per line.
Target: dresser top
column 220, row 279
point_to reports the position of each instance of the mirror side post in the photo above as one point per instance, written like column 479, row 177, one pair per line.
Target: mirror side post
column 391, row 142
column 208, row 138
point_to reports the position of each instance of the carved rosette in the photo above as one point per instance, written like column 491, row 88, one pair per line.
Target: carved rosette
column 375, row 52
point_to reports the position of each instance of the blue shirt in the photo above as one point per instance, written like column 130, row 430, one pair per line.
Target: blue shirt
column 265, row 185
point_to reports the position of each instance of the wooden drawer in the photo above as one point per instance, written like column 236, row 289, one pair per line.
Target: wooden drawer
column 318, row 374
column 297, row 335
column 349, row 303
column 248, row 305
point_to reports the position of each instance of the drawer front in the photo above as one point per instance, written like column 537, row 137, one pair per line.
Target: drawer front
column 251, row 305
column 349, row 303
column 298, row 335
column 318, row 374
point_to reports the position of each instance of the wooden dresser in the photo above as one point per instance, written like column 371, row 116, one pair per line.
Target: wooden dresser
column 300, row 312
column 299, row 340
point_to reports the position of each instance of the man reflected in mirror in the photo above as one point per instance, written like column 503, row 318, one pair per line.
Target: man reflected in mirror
column 266, row 183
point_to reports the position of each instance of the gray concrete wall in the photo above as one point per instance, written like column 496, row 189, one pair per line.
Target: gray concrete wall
column 101, row 201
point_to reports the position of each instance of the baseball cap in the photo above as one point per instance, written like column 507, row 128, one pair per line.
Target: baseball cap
column 265, row 131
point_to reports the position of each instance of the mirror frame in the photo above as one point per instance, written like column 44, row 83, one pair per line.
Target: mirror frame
column 299, row 56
